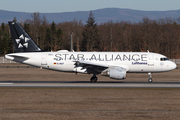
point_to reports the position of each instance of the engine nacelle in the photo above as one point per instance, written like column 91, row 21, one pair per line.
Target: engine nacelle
column 115, row 73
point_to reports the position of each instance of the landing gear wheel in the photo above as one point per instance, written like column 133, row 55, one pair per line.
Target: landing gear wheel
column 93, row 79
column 150, row 79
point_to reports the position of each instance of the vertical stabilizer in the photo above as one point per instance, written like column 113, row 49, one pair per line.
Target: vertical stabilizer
column 21, row 40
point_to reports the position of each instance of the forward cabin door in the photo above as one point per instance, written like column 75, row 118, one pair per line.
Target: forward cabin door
column 150, row 60
column 43, row 59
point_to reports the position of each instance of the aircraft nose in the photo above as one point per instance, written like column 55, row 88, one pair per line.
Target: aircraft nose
column 173, row 65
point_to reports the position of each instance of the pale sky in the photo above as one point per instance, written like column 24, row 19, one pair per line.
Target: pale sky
column 51, row 6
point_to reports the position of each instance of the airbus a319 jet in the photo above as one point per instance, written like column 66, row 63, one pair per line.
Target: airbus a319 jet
column 112, row 64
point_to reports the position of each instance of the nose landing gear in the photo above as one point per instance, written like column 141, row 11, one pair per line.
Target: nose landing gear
column 150, row 77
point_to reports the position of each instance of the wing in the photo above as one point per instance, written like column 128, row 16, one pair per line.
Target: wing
column 91, row 67
column 94, row 67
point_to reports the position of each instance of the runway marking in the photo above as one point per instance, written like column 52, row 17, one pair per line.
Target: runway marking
column 6, row 83
column 92, row 85
column 74, row 111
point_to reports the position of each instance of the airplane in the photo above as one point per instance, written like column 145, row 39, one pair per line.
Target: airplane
column 112, row 64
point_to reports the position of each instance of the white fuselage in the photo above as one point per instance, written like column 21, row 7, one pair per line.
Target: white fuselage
column 65, row 61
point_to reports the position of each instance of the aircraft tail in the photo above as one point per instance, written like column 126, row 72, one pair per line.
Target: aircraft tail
column 21, row 40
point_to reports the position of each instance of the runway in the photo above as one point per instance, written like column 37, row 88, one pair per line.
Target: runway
column 86, row 84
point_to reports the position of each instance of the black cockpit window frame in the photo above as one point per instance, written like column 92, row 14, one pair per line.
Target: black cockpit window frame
column 164, row 59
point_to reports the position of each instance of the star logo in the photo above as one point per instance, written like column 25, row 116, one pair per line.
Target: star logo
column 23, row 40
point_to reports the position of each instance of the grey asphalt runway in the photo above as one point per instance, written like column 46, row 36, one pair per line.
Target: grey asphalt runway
column 86, row 84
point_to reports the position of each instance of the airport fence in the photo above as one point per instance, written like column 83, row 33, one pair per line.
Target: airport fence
column 177, row 61
column 3, row 60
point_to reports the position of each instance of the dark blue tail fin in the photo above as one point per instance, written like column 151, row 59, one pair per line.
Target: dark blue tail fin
column 21, row 40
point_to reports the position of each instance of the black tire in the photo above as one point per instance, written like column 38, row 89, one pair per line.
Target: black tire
column 93, row 79
column 150, row 80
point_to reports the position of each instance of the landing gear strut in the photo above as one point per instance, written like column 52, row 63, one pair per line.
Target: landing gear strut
column 150, row 77
column 93, row 78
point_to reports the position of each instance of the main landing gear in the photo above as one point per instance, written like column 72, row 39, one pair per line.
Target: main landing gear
column 150, row 77
column 94, row 78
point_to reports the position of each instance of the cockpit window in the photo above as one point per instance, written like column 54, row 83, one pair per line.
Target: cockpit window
column 164, row 59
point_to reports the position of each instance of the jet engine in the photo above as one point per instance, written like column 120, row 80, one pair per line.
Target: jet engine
column 115, row 73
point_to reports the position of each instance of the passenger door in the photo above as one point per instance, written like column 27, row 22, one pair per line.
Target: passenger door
column 150, row 60
column 43, row 59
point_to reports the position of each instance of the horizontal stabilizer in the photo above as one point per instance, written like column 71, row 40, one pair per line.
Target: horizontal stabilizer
column 16, row 56
column 19, row 56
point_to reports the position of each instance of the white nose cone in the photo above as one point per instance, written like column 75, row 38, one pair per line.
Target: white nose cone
column 174, row 66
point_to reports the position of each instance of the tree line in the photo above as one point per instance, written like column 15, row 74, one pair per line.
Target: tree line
column 160, row 36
